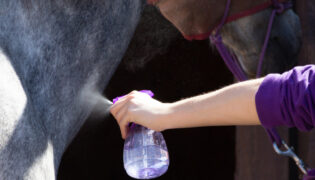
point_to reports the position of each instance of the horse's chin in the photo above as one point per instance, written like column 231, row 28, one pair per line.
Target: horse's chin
column 153, row 36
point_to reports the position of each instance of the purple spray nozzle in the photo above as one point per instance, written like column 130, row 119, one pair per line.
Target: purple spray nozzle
column 148, row 92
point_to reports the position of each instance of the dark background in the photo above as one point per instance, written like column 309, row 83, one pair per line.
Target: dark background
column 184, row 70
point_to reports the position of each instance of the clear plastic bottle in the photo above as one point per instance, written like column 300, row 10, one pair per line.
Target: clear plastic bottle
column 145, row 153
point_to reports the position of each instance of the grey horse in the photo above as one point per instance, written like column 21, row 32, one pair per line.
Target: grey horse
column 56, row 57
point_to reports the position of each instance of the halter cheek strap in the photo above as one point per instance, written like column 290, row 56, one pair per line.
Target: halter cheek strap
column 232, row 63
column 231, row 60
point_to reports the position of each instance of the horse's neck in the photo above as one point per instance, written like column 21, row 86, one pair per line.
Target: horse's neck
column 63, row 57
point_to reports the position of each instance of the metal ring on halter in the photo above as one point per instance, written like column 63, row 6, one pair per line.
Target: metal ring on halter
column 290, row 153
column 215, row 38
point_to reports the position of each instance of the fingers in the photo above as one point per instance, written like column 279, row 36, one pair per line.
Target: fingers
column 124, row 127
column 121, row 101
column 123, row 120
column 119, row 104
column 120, row 111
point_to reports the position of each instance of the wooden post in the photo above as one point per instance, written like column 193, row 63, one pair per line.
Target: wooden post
column 306, row 12
column 255, row 158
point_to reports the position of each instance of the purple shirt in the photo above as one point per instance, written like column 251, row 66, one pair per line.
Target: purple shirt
column 288, row 99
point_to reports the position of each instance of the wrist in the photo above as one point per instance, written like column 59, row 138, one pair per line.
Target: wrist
column 176, row 115
column 167, row 117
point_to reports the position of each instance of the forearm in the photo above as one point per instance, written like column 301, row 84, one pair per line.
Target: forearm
column 232, row 105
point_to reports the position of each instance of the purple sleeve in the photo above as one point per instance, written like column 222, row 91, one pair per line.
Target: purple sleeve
column 288, row 99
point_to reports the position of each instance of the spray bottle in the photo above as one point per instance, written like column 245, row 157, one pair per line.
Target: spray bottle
column 145, row 153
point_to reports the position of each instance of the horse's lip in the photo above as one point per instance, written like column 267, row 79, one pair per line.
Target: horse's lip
column 152, row 2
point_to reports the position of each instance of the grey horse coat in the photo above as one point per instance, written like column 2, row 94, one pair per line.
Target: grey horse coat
column 56, row 57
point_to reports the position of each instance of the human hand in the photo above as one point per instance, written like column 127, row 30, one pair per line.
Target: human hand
column 140, row 108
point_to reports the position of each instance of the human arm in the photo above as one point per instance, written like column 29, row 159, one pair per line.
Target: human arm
column 286, row 99
column 232, row 105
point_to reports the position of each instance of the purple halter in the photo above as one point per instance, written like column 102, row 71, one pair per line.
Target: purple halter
column 230, row 59
column 234, row 66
